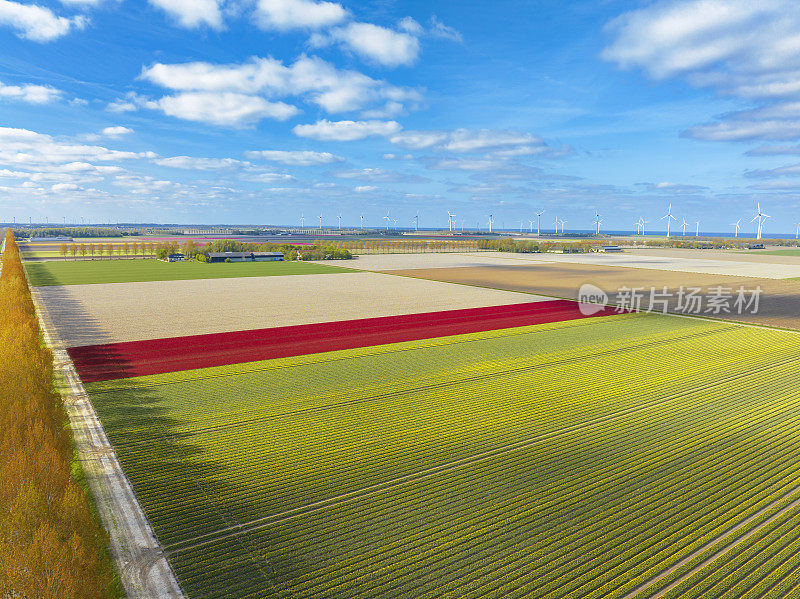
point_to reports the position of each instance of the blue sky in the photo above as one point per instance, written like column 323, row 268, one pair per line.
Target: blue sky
column 258, row 111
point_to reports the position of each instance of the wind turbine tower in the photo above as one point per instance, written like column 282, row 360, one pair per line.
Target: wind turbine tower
column 491, row 222
column 539, row 221
column 597, row 222
column 669, row 218
column 320, row 222
column 416, row 222
column 339, row 216
column 362, row 222
column 450, row 220
column 684, row 224
column 387, row 220
column 736, row 224
column 761, row 218
column 697, row 229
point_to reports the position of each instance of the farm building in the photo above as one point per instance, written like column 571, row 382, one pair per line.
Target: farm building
column 176, row 258
column 610, row 248
column 245, row 256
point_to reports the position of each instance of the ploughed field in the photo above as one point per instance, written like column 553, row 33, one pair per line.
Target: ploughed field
column 597, row 457
column 82, row 272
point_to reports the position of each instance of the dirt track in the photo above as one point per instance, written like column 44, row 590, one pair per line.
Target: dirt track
column 779, row 302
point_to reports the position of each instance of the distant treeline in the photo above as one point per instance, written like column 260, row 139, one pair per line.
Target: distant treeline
column 191, row 249
column 51, row 543
column 87, row 232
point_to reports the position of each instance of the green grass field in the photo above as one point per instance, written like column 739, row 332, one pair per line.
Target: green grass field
column 788, row 252
column 83, row 272
column 577, row 459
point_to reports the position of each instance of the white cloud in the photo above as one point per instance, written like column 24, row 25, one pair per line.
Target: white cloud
column 379, row 174
column 191, row 163
column 32, row 94
column 739, row 48
column 311, row 78
column 37, row 23
column 295, row 158
column 227, row 109
column 116, row 132
column 25, row 147
column 298, row 14
column 62, row 187
column 502, row 144
column 374, row 43
column 364, row 188
column 774, row 151
column 346, row 130
column 192, row 13
column 747, row 130
column 439, row 29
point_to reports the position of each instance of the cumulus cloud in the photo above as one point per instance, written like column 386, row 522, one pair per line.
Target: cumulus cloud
column 37, row 23
column 739, row 48
column 22, row 146
column 227, row 109
column 116, row 132
column 32, row 94
column 192, row 13
column 326, row 130
column 313, row 79
column 284, row 15
column 373, row 43
column 296, row 157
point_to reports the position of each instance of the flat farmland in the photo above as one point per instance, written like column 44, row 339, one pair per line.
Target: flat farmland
column 599, row 457
column 84, row 272
column 779, row 304
column 95, row 314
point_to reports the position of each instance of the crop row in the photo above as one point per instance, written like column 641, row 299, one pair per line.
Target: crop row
column 328, row 527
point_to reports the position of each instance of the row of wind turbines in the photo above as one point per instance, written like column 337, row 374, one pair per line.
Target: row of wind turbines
column 597, row 221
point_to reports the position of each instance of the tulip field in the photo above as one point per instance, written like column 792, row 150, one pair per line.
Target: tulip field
column 632, row 455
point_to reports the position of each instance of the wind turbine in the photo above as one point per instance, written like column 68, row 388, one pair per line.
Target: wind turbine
column 395, row 224
column 697, row 229
column 320, row 221
column 416, row 221
column 669, row 217
column 597, row 221
column 556, row 223
column 539, row 221
column 450, row 218
column 684, row 224
column 362, row 222
column 797, row 231
column 736, row 224
column 302, row 220
column 339, row 216
column 562, row 225
column 387, row 220
column 491, row 222
column 521, row 226
column 761, row 218
column 638, row 224
column 530, row 230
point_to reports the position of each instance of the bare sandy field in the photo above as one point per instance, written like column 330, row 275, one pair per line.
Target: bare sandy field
column 115, row 312
column 677, row 263
column 726, row 255
column 779, row 303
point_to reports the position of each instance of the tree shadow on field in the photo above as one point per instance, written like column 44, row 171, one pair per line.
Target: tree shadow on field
column 182, row 490
column 176, row 483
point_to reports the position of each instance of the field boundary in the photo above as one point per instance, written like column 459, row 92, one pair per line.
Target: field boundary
column 143, row 568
